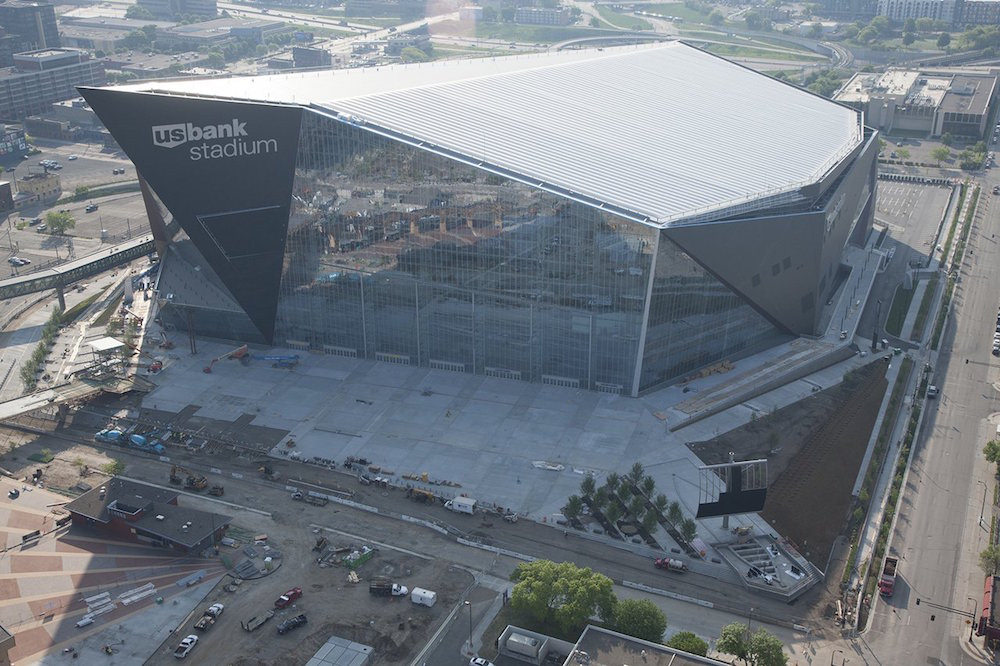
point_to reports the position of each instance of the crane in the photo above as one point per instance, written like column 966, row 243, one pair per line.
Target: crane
column 240, row 353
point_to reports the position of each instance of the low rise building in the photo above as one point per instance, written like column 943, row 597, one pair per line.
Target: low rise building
column 929, row 102
column 306, row 57
column 218, row 31
column 542, row 16
column 141, row 512
column 46, row 186
column 39, row 78
column 12, row 140
column 172, row 8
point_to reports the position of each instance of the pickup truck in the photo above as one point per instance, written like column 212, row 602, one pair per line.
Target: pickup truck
column 257, row 620
column 187, row 644
column 288, row 598
column 206, row 621
column 383, row 587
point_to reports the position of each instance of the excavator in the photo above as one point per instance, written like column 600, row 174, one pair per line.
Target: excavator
column 179, row 475
column 241, row 353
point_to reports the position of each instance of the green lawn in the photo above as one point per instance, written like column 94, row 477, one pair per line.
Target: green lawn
column 520, row 33
column 624, row 21
column 897, row 312
column 749, row 52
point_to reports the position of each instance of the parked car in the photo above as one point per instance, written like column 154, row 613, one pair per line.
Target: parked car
column 479, row 661
column 34, row 221
column 292, row 623
column 40, row 228
column 72, row 157
column 288, row 598
column 187, row 644
column 13, row 493
column 91, row 208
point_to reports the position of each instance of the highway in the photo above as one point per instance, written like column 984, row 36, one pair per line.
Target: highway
column 937, row 534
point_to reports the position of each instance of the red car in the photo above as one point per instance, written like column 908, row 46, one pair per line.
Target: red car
column 285, row 600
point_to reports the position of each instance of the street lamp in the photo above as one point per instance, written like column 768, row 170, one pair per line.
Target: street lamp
column 834, row 655
column 983, row 508
column 972, row 620
column 469, row 605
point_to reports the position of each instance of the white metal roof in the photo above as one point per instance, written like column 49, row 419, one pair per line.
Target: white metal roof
column 665, row 131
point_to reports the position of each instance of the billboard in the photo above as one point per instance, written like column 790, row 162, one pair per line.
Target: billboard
column 732, row 488
column 224, row 170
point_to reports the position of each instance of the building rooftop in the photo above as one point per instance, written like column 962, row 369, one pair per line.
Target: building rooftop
column 221, row 26
column 659, row 133
column 609, row 648
column 953, row 93
column 341, row 652
column 155, row 502
column 969, row 94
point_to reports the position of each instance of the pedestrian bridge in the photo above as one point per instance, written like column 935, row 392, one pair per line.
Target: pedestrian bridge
column 77, row 269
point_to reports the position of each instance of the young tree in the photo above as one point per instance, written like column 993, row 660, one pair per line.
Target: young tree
column 989, row 560
column 766, row 650
column 734, row 640
column 688, row 642
column 648, row 486
column 573, row 508
column 561, row 595
column 688, row 529
column 640, row 618
column 113, row 468
column 908, row 38
column 943, row 40
column 636, row 473
column 716, row 17
column 940, row 154
column 613, row 512
column 947, row 138
column 910, row 25
column 636, row 506
column 59, row 223
column 649, row 521
column 661, row 503
column 674, row 513
column 904, row 154
column 600, row 499
column 924, row 24
column 612, row 482
column 587, row 487
column 992, row 451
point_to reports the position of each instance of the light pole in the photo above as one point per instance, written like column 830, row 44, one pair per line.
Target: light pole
column 983, row 508
column 972, row 619
column 469, row 606
column 834, row 655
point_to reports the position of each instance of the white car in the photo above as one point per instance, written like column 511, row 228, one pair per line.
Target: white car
column 479, row 661
column 215, row 610
column 72, row 157
column 187, row 644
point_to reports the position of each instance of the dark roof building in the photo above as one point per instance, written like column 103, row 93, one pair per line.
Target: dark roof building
column 134, row 510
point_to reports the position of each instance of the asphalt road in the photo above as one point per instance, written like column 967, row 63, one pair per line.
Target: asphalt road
column 937, row 535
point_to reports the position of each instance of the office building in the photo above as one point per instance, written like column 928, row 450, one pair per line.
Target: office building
column 542, row 16
column 39, row 78
column 179, row 8
column 33, row 25
column 928, row 102
column 610, row 219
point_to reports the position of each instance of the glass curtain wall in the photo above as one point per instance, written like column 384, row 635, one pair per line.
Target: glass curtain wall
column 404, row 256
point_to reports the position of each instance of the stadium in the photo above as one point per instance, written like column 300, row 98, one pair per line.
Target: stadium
column 609, row 219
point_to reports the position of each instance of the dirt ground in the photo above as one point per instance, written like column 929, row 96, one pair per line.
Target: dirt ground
column 814, row 450
column 396, row 628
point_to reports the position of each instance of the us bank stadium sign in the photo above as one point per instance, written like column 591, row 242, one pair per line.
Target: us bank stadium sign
column 212, row 142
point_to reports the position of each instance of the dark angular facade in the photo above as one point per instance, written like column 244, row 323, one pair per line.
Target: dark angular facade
column 314, row 233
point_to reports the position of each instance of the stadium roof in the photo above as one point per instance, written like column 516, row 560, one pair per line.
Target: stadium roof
column 665, row 132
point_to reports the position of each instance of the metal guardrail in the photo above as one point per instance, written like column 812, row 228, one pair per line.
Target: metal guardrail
column 78, row 269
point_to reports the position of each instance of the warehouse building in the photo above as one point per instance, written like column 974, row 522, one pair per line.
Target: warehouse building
column 609, row 219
